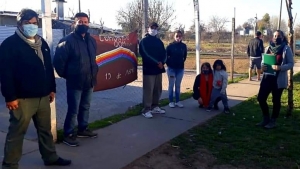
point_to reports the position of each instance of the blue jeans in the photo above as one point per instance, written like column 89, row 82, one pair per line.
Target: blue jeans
column 175, row 77
column 78, row 107
column 215, row 93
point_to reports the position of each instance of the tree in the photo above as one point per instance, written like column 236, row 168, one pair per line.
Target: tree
column 191, row 33
column 251, row 21
column 274, row 23
column 264, row 23
column 261, row 25
column 130, row 17
column 291, row 71
column 247, row 25
column 239, row 28
column 180, row 27
column 297, row 31
column 201, row 27
column 71, row 13
column 266, row 18
column 101, row 23
column 218, row 26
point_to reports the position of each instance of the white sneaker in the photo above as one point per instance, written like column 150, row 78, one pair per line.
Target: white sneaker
column 179, row 104
column 147, row 114
column 172, row 105
column 158, row 110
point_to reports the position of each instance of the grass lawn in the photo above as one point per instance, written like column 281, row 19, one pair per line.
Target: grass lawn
column 235, row 140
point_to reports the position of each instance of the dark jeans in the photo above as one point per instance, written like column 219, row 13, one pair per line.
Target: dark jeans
column 78, row 107
column 216, row 94
column 37, row 109
column 269, row 85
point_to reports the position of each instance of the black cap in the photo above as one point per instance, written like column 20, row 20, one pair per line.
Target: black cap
column 153, row 24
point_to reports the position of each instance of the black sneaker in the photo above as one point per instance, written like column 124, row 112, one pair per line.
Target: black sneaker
column 201, row 106
column 226, row 110
column 71, row 140
column 272, row 124
column 86, row 134
column 208, row 109
column 264, row 122
column 216, row 107
column 59, row 162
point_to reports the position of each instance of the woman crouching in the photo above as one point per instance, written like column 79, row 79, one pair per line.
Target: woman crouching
column 203, row 87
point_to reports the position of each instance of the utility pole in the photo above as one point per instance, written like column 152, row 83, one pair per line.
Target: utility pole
column 279, row 18
column 291, row 71
column 197, row 34
column 294, row 47
column 232, row 47
column 79, row 6
column 47, row 35
column 145, row 17
column 255, row 26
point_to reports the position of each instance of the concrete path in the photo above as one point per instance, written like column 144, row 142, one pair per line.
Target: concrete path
column 104, row 103
column 120, row 144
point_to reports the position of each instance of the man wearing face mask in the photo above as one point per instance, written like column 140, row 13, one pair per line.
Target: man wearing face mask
column 275, row 84
column 154, row 57
column 28, row 86
column 75, row 60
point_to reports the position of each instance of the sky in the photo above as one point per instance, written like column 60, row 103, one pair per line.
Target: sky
column 184, row 9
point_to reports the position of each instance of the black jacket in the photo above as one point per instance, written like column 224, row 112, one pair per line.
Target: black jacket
column 23, row 74
column 152, row 51
column 75, row 60
column 176, row 55
column 196, row 92
column 255, row 47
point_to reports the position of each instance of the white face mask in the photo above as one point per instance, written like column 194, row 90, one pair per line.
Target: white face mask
column 152, row 32
column 178, row 39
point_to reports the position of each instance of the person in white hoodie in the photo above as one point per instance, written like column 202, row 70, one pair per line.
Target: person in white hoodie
column 219, row 85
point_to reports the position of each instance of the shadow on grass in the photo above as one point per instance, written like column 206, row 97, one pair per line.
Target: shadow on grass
column 234, row 139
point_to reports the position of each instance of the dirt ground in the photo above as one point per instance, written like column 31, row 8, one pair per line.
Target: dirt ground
column 241, row 64
column 168, row 157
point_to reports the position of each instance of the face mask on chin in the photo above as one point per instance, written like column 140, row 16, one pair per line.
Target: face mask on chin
column 152, row 32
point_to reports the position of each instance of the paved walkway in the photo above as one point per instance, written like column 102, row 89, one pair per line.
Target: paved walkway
column 99, row 107
column 120, row 144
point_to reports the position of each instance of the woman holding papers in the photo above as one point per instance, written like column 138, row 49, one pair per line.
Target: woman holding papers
column 277, row 60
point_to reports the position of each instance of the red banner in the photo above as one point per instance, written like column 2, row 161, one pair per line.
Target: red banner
column 116, row 60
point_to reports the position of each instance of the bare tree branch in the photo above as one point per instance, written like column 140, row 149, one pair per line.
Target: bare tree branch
column 218, row 25
column 130, row 17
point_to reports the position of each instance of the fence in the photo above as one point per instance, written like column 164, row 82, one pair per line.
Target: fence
column 108, row 102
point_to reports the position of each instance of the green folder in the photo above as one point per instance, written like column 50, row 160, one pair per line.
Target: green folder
column 269, row 60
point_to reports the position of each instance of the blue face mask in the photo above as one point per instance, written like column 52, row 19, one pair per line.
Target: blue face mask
column 30, row 30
